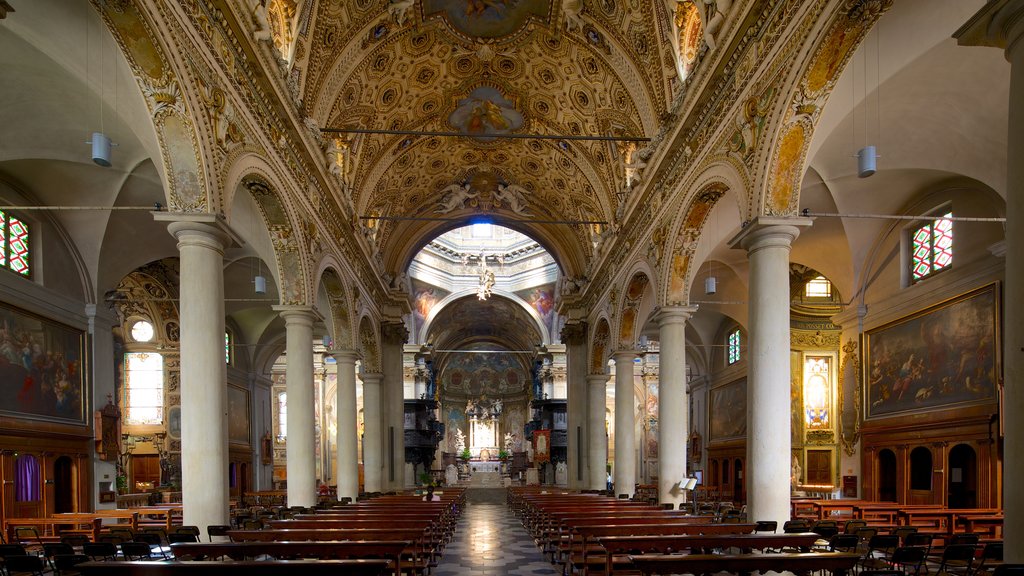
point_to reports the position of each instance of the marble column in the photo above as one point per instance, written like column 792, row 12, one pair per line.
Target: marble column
column 301, row 462
column 373, row 449
column 348, row 430
column 624, row 470
column 767, row 242
column 1000, row 24
column 574, row 336
column 673, row 403
column 204, row 405
column 393, row 337
column 597, row 434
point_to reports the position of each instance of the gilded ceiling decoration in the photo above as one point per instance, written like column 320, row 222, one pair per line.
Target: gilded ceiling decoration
column 488, row 67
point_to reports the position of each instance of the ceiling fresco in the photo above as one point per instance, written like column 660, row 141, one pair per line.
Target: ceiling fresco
column 497, row 320
column 487, row 67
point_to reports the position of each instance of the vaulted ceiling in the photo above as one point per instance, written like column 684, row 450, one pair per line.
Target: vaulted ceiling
column 484, row 67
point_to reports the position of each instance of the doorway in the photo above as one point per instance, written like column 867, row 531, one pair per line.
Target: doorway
column 963, row 477
column 63, row 485
column 886, row 476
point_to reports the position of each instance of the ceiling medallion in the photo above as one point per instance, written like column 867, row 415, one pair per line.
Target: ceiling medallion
column 485, row 112
column 488, row 19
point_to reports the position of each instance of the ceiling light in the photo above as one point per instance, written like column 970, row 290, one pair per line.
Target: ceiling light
column 261, row 284
column 710, row 285
column 866, row 161
column 101, row 149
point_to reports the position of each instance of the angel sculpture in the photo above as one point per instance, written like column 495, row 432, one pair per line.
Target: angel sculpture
column 514, row 195
column 455, row 196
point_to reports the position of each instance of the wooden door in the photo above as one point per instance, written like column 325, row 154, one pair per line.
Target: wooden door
column 145, row 468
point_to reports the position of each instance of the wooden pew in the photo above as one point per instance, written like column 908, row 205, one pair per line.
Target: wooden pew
column 422, row 550
column 343, row 550
column 838, row 563
column 244, row 568
column 85, row 524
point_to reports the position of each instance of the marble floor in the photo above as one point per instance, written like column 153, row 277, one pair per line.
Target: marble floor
column 490, row 541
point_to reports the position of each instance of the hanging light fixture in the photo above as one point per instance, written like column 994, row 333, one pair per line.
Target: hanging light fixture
column 867, row 156
column 101, row 149
column 100, row 142
column 259, row 281
column 710, row 285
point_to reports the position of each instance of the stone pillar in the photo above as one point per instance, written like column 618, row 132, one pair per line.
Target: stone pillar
column 101, row 341
column 204, row 403
column 1000, row 24
column 624, row 473
column 673, row 403
column 393, row 337
column 301, row 461
column 597, row 433
column 348, row 430
column 373, row 449
column 767, row 242
column 574, row 336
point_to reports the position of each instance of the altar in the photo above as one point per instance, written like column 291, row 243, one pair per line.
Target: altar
column 482, row 466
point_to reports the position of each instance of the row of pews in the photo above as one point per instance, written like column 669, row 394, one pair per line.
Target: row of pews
column 391, row 534
column 92, row 524
column 591, row 533
column 887, row 516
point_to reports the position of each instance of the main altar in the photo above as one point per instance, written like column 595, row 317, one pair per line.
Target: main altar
column 484, row 428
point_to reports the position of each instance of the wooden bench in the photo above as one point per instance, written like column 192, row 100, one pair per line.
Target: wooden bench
column 345, row 550
column 838, row 563
column 244, row 568
column 86, row 524
column 617, row 548
column 421, row 551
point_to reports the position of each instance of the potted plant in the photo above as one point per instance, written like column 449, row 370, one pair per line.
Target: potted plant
column 465, row 454
column 503, row 454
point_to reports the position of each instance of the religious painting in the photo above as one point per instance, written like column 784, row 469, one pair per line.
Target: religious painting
column 943, row 356
column 483, row 374
column 728, row 411
column 425, row 297
column 541, row 446
column 238, row 415
column 487, row 18
column 174, row 422
column 485, row 112
column 42, row 366
column 542, row 300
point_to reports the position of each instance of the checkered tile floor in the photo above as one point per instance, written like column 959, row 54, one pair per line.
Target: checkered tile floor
column 490, row 541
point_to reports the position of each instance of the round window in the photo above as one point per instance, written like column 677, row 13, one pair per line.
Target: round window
column 142, row 331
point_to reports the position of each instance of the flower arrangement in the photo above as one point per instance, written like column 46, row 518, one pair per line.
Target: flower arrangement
column 465, row 454
column 503, row 454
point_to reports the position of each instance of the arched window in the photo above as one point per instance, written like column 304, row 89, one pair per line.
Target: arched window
column 733, row 345
column 920, row 469
column 144, row 388
column 14, row 244
column 229, row 355
column 282, row 416
column 931, row 247
column 26, row 479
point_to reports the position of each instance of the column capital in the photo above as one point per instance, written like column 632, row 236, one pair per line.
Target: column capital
column 769, row 231
column 394, row 332
column 674, row 314
column 198, row 229
column 344, row 356
column 374, row 378
column 999, row 24
column 574, row 332
column 301, row 315
column 598, row 379
column 626, row 354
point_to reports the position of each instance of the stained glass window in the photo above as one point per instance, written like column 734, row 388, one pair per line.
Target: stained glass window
column 144, row 388
column 227, row 347
column 932, row 247
column 13, row 244
column 734, row 346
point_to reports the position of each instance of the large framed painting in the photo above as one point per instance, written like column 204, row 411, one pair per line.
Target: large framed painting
column 943, row 356
column 238, row 415
column 42, row 368
column 728, row 411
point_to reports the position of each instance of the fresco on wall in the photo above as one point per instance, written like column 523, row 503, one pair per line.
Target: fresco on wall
column 541, row 299
column 728, row 411
column 238, row 415
column 487, row 18
column 455, row 419
column 424, row 298
column 938, row 357
column 488, row 373
column 40, row 367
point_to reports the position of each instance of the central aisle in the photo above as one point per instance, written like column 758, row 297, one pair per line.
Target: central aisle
column 491, row 541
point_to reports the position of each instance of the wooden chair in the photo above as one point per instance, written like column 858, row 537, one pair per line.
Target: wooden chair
column 194, row 530
column 991, row 558
column 217, row 530
column 136, row 551
column 880, row 548
column 909, row 559
column 852, row 526
column 64, row 564
column 18, row 565
column 99, row 551
column 957, row 559
column 74, row 540
column 176, row 537
column 902, row 531
column 766, row 526
column 51, row 549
